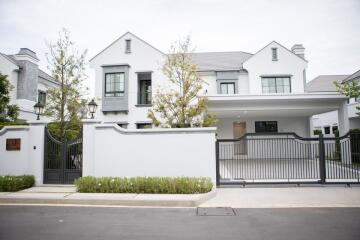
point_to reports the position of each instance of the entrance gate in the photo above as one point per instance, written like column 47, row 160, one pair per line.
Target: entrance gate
column 288, row 158
column 62, row 160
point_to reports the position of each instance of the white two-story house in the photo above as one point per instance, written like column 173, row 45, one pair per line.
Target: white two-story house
column 29, row 82
column 260, row 92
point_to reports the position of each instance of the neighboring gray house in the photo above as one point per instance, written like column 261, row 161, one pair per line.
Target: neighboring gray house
column 30, row 83
column 328, row 122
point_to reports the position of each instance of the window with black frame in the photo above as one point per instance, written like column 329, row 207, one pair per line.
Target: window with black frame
column 266, row 126
column 41, row 97
column 276, row 84
column 144, row 81
column 114, row 84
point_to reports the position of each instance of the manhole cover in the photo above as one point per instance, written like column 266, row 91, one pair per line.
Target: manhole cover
column 215, row 211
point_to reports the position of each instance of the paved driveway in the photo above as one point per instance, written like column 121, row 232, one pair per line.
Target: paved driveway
column 284, row 169
column 30, row 222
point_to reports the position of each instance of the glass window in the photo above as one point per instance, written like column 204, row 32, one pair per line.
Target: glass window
column 266, row 126
column 145, row 92
column 114, row 84
column 276, row 85
column 327, row 130
column 41, row 97
column 227, row 88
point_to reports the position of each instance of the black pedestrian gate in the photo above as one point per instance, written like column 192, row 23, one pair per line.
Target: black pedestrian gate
column 288, row 158
column 62, row 160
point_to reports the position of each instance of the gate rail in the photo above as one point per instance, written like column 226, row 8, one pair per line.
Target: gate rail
column 288, row 158
column 62, row 159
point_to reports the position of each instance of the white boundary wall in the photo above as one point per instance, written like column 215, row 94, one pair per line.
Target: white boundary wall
column 30, row 158
column 113, row 151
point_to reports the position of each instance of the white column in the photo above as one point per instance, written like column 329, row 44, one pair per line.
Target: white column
column 344, row 128
column 89, row 146
column 36, row 150
column 343, row 118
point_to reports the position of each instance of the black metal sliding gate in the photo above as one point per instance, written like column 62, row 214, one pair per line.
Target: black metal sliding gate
column 62, row 160
column 288, row 158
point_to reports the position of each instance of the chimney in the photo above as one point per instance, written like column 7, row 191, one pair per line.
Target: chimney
column 299, row 50
column 28, row 75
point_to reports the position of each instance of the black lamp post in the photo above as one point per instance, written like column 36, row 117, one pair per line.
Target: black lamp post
column 92, row 108
column 38, row 108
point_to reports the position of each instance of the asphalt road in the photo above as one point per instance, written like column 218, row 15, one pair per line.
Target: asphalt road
column 46, row 222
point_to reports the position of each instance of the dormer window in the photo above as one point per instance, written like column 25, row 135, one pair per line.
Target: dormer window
column 128, row 46
column 274, row 54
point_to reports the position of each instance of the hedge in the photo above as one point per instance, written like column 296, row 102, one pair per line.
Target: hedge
column 16, row 183
column 160, row 185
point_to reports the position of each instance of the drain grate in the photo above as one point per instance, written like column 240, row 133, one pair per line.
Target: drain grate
column 215, row 211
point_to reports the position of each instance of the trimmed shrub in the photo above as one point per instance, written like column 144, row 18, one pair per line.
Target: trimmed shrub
column 16, row 183
column 159, row 185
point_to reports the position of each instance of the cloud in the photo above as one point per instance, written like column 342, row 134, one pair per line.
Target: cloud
column 328, row 29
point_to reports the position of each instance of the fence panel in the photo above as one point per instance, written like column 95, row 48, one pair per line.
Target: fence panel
column 287, row 157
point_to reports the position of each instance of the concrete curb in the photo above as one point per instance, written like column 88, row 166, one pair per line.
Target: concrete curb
column 151, row 200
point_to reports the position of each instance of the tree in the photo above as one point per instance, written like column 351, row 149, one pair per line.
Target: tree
column 8, row 112
column 66, row 105
column 349, row 89
column 183, row 104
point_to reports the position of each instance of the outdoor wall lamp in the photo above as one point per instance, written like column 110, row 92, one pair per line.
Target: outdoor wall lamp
column 92, row 108
column 38, row 108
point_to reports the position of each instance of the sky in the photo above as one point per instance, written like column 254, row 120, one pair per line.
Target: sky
column 328, row 29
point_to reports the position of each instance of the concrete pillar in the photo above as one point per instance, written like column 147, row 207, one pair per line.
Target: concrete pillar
column 89, row 146
column 344, row 128
column 36, row 150
column 343, row 118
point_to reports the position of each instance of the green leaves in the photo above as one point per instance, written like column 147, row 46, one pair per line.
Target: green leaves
column 160, row 185
column 16, row 183
column 182, row 105
column 66, row 105
column 8, row 112
column 349, row 89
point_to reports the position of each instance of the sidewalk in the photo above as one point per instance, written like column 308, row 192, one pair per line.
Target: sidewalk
column 286, row 197
column 67, row 195
column 249, row 197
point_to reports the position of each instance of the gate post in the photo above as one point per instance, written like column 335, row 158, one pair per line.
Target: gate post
column 217, row 164
column 322, row 166
column 36, row 154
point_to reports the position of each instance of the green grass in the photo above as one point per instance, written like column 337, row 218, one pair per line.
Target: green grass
column 157, row 185
column 16, row 183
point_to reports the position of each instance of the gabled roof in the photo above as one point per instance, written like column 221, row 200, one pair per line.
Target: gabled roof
column 47, row 77
column 122, row 37
column 41, row 73
column 9, row 58
column 324, row 83
column 280, row 46
column 352, row 77
column 220, row 61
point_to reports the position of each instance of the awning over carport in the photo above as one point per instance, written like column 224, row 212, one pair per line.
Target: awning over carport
column 281, row 105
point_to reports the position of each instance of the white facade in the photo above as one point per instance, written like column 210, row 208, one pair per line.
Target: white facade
column 29, row 160
column 148, row 152
column 34, row 77
column 244, row 70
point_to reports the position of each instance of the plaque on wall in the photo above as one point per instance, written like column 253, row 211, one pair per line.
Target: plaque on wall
column 13, row 144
